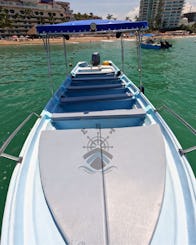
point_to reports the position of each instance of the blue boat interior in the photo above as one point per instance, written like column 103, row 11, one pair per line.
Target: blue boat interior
column 96, row 99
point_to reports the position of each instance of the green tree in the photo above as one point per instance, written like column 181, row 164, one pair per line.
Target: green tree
column 78, row 16
column 189, row 28
column 193, row 28
column 91, row 15
column 28, row 12
column 158, row 18
column 5, row 21
column 109, row 16
column 50, row 18
column 85, row 16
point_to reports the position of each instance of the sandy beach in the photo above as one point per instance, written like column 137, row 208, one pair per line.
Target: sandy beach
column 57, row 40
column 82, row 39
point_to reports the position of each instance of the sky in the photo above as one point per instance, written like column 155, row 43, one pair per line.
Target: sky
column 118, row 8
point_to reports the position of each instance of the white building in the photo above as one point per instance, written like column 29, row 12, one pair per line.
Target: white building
column 161, row 13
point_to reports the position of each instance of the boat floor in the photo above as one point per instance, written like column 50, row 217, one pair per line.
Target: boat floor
column 104, row 185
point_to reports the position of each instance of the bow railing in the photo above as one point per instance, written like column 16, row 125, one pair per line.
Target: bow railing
column 10, row 138
column 185, row 123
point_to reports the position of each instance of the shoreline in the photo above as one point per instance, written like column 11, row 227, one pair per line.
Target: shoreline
column 87, row 39
column 72, row 40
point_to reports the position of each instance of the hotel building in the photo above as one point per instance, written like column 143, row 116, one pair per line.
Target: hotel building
column 22, row 15
column 163, row 14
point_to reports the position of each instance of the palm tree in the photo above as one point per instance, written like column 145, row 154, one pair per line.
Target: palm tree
column 28, row 12
column 51, row 18
column 158, row 18
column 91, row 15
column 78, row 16
column 85, row 16
column 109, row 16
column 5, row 21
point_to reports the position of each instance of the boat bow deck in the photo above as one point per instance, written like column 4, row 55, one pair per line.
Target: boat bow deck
column 108, row 190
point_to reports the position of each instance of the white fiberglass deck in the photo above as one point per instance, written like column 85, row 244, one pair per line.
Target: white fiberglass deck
column 104, row 185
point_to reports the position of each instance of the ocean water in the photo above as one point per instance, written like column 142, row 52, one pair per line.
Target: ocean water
column 169, row 77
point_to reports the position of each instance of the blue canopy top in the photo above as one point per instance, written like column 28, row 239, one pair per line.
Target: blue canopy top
column 87, row 26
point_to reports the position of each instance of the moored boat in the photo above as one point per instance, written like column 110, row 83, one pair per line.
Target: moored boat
column 150, row 45
column 100, row 165
column 151, row 42
column 156, row 45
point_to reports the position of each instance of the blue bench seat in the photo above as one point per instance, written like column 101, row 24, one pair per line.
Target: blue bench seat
column 95, row 98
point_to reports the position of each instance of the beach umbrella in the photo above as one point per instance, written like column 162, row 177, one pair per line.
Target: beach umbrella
column 14, row 38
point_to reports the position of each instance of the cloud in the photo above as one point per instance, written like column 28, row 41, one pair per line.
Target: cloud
column 134, row 12
column 189, row 7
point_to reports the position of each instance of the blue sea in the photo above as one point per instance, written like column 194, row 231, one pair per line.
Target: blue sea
column 169, row 77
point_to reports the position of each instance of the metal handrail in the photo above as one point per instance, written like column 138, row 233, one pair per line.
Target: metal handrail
column 190, row 149
column 9, row 139
column 185, row 123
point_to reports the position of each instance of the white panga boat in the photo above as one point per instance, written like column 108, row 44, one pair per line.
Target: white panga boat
column 100, row 165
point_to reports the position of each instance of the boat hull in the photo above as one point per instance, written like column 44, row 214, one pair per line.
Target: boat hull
column 150, row 46
column 100, row 167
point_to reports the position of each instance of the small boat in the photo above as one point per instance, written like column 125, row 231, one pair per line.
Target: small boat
column 156, row 45
column 152, row 43
column 100, row 165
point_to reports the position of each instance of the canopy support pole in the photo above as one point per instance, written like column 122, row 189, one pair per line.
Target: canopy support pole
column 65, row 54
column 122, row 52
column 139, row 56
column 47, row 49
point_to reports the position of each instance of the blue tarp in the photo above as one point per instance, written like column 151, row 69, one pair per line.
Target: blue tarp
column 97, row 25
column 149, row 35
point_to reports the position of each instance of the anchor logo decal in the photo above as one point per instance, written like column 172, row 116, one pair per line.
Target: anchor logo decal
column 97, row 157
